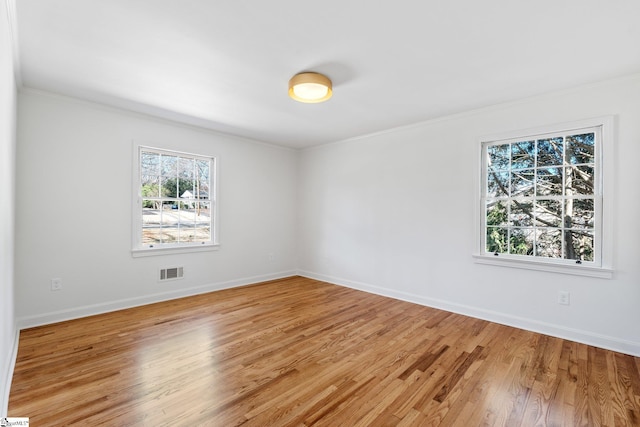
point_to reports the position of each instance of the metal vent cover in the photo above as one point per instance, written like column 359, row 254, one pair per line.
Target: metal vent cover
column 171, row 273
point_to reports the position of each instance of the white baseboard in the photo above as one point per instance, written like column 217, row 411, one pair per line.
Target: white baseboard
column 93, row 309
column 7, row 376
column 584, row 337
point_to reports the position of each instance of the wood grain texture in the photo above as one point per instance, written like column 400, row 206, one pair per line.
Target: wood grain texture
column 299, row 352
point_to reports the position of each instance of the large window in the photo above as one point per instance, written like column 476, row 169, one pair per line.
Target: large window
column 175, row 206
column 542, row 197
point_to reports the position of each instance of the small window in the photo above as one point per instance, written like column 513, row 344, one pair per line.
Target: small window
column 175, row 200
column 542, row 198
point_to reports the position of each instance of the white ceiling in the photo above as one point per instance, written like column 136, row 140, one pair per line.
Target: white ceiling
column 225, row 64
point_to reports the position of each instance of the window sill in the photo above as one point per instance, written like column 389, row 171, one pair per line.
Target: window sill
column 145, row 252
column 577, row 269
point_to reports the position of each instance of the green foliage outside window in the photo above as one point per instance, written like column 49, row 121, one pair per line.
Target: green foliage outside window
column 539, row 196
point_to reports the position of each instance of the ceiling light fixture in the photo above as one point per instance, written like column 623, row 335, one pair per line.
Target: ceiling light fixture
column 310, row 87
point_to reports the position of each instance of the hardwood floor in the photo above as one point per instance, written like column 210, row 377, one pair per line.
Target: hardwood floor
column 298, row 352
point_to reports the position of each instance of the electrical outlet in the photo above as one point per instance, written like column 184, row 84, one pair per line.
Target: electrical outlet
column 56, row 284
column 563, row 297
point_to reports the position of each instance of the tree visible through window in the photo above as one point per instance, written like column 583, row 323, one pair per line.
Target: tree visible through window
column 541, row 196
column 176, row 200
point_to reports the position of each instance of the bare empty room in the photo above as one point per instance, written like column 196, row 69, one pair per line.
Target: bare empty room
column 284, row 213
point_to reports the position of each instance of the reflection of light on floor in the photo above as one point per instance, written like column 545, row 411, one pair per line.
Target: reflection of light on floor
column 505, row 396
column 497, row 410
column 181, row 361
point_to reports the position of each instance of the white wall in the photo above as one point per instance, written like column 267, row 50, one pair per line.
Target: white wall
column 74, row 163
column 7, row 184
column 394, row 214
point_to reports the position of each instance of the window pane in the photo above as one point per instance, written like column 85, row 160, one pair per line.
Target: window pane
column 579, row 245
column 188, row 214
column 150, row 222
column 150, row 213
column 186, row 187
column 169, row 166
column 498, row 184
column 580, row 148
column 579, row 180
column 187, row 232
column 548, row 213
column 523, row 155
column 499, row 156
column 497, row 213
column 150, row 187
column 202, row 169
column 170, row 225
column 194, row 224
column 521, row 241
column 201, row 179
column 549, row 182
column 185, row 168
column 581, row 213
column 202, row 190
column 169, row 187
column 202, row 234
column 497, row 239
column 550, row 152
column 149, row 163
column 203, row 212
column 521, row 214
column 150, row 179
column 150, row 235
column 549, row 243
column 202, row 226
column 522, row 183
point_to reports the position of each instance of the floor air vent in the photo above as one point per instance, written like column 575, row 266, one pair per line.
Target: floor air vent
column 172, row 273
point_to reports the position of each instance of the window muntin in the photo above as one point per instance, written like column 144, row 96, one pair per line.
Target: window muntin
column 541, row 197
column 176, row 199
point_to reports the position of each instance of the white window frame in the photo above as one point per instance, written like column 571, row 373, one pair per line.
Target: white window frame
column 603, row 192
column 141, row 250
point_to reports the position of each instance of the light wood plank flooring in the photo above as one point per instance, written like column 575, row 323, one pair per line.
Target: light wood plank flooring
column 298, row 352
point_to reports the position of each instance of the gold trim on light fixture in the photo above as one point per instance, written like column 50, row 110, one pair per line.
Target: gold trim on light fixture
column 310, row 87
